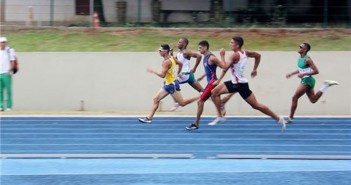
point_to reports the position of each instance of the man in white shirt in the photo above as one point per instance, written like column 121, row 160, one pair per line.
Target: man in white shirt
column 7, row 62
column 239, row 84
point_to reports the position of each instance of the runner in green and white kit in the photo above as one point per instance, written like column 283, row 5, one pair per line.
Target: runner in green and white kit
column 306, row 68
column 187, row 73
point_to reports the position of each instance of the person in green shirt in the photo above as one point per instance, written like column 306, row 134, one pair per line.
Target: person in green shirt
column 306, row 70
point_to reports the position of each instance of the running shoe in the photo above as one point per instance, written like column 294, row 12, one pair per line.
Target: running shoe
column 216, row 121
column 289, row 120
column 282, row 123
column 331, row 82
column 175, row 107
column 145, row 120
column 192, row 127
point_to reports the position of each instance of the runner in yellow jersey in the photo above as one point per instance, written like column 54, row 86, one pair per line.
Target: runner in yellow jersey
column 171, row 84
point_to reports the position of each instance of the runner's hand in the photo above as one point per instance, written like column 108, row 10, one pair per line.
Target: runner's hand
column 222, row 52
column 215, row 83
column 150, row 70
column 301, row 75
column 253, row 73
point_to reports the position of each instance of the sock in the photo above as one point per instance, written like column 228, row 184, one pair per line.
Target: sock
column 323, row 88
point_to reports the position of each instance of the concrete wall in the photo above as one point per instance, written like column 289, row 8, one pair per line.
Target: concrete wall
column 119, row 82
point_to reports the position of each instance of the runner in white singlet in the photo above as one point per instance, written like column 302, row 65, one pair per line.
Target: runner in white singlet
column 237, row 62
column 187, row 73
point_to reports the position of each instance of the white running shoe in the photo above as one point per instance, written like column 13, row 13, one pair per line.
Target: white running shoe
column 145, row 120
column 282, row 123
column 216, row 121
column 331, row 82
column 289, row 120
column 8, row 110
column 175, row 107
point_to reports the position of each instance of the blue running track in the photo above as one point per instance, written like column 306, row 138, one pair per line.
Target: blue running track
column 93, row 150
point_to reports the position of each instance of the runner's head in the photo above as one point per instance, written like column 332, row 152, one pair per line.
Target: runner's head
column 3, row 42
column 183, row 43
column 164, row 50
column 304, row 48
column 204, row 46
column 236, row 43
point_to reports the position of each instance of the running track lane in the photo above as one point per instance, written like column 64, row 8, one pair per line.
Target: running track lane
column 166, row 135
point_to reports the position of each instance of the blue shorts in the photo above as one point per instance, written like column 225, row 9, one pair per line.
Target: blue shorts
column 171, row 88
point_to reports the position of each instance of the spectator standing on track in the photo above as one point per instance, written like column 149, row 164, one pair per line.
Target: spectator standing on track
column 171, row 84
column 306, row 68
column 237, row 62
column 187, row 73
column 7, row 66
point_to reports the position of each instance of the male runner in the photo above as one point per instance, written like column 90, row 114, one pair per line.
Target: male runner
column 237, row 62
column 171, row 84
column 210, row 63
column 187, row 74
column 306, row 68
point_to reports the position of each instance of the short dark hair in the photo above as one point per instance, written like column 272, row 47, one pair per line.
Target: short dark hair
column 239, row 40
column 308, row 46
column 185, row 40
column 204, row 43
column 165, row 47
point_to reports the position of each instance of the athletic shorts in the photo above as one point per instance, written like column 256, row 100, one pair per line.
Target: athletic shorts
column 242, row 88
column 171, row 88
column 187, row 78
column 207, row 91
column 310, row 81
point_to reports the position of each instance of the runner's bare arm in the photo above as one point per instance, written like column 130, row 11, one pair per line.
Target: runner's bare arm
column 166, row 65
column 234, row 58
column 198, row 59
column 180, row 66
column 314, row 68
column 292, row 73
column 257, row 56
column 217, row 61
column 201, row 77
